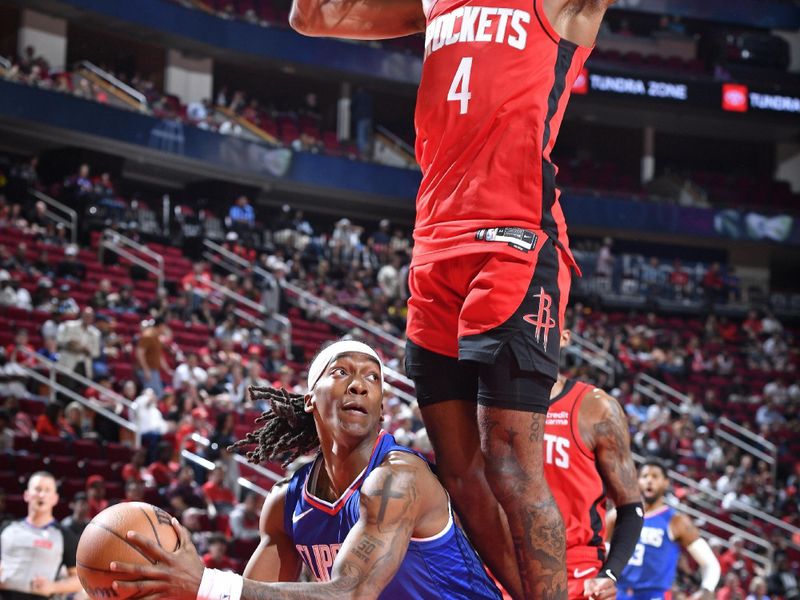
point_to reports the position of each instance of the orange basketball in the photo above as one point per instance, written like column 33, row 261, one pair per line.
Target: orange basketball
column 104, row 541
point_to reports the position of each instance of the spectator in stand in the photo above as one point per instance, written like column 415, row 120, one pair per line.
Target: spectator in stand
column 135, row 470
column 78, row 345
column 150, row 356
column 244, row 518
column 604, row 267
column 184, row 493
column 769, row 415
column 51, row 424
column 6, row 434
column 12, row 293
column 215, row 557
column 81, row 182
column 732, row 588
column 714, row 284
column 782, row 582
column 189, row 374
column 70, row 268
column 79, row 519
column 361, row 110
column 96, row 495
column 197, row 281
column 74, row 421
column 125, row 301
column 149, row 421
column 64, row 304
column 652, row 278
column 242, row 217
column 134, row 491
column 20, row 351
column 162, row 470
column 758, row 589
column 679, row 280
column 219, row 497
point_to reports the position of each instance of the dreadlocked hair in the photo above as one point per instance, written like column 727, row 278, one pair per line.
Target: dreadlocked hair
column 288, row 431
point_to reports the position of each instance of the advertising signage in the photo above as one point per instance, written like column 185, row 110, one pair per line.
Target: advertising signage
column 724, row 97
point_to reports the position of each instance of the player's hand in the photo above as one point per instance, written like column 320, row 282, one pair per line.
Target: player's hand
column 600, row 588
column 175, row 575
column 42, row 586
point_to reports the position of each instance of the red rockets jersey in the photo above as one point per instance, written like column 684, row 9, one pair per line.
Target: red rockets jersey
column 573, row 478
column 495, row 83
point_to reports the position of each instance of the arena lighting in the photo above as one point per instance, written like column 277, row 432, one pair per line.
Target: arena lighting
column 734, row 97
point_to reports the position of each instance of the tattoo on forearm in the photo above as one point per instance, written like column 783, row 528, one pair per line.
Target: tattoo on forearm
column 614, row 458
column 366, row 547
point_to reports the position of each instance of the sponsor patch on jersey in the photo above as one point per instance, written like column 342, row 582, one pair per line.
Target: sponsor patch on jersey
column 516, row 237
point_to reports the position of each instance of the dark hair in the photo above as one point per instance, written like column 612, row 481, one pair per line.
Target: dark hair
column 654, row 461
column 217, row 538
column 79, row 496
column 287, row 431
column 51, row 411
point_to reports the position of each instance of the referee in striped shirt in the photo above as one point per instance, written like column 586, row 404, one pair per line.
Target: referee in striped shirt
column 33, row 550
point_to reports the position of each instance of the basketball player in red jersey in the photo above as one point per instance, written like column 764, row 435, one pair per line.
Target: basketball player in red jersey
column 587, row 460
column 490, row 272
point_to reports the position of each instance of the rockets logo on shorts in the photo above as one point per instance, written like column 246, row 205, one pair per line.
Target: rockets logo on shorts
column 542, row 319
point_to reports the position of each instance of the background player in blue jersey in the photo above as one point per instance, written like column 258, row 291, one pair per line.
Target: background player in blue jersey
column 368, row 517
column 651, row 570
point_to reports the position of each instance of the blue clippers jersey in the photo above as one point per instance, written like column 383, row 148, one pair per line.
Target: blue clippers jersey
column 444, row 566
column 655, row 559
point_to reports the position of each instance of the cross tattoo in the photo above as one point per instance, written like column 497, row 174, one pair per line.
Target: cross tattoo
column 387, row 494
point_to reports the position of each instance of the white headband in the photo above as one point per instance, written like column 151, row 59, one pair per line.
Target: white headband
column 325, row 358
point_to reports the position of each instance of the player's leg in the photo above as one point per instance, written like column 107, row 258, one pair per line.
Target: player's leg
column 512, row 442
column 510, row 324
column 447, row 392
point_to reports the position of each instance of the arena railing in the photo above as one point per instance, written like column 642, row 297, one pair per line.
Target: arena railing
column 283, row 324
column 209, row 466
column 239, row 460
column 68, row 219
column 127, row 248
column 119, row 88
column 56, row 371
column 739, row 436
column 233, row 263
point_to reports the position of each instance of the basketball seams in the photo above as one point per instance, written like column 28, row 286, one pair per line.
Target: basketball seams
column 152, row 526
column 121, row 538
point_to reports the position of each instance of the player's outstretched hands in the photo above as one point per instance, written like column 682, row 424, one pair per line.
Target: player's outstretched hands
column 600, row 588
column 176, row 575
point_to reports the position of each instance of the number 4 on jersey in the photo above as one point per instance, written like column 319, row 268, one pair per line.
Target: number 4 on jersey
column 459, row 88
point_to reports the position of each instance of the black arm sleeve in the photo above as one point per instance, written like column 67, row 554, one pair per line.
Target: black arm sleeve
column 630, row 518
column 70, row 547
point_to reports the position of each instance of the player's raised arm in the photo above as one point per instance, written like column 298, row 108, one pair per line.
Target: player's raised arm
column 357, row 19
column 686, row 534
column 577, row 20
column 276, row 558
column 612, row 446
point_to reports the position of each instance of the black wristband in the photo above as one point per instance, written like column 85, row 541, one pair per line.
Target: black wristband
column 630, row 518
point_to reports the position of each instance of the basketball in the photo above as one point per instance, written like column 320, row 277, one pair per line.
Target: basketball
column 104, row 541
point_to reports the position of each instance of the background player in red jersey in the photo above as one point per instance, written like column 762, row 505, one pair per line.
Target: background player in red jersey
column 490, row 272
column 587, row 460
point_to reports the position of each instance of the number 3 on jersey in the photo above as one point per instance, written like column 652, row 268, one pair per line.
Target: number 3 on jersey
column 459, row 88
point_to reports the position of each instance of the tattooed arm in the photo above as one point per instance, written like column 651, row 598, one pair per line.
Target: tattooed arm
column 399, row 499
column 604, row 429
column 276, row 558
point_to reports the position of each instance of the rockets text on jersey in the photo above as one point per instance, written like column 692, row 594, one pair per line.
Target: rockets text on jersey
column 573, row 478
column 496, row 80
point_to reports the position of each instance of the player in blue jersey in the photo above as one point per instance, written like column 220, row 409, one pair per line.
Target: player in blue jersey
column 651, row 570
column 367, row 517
